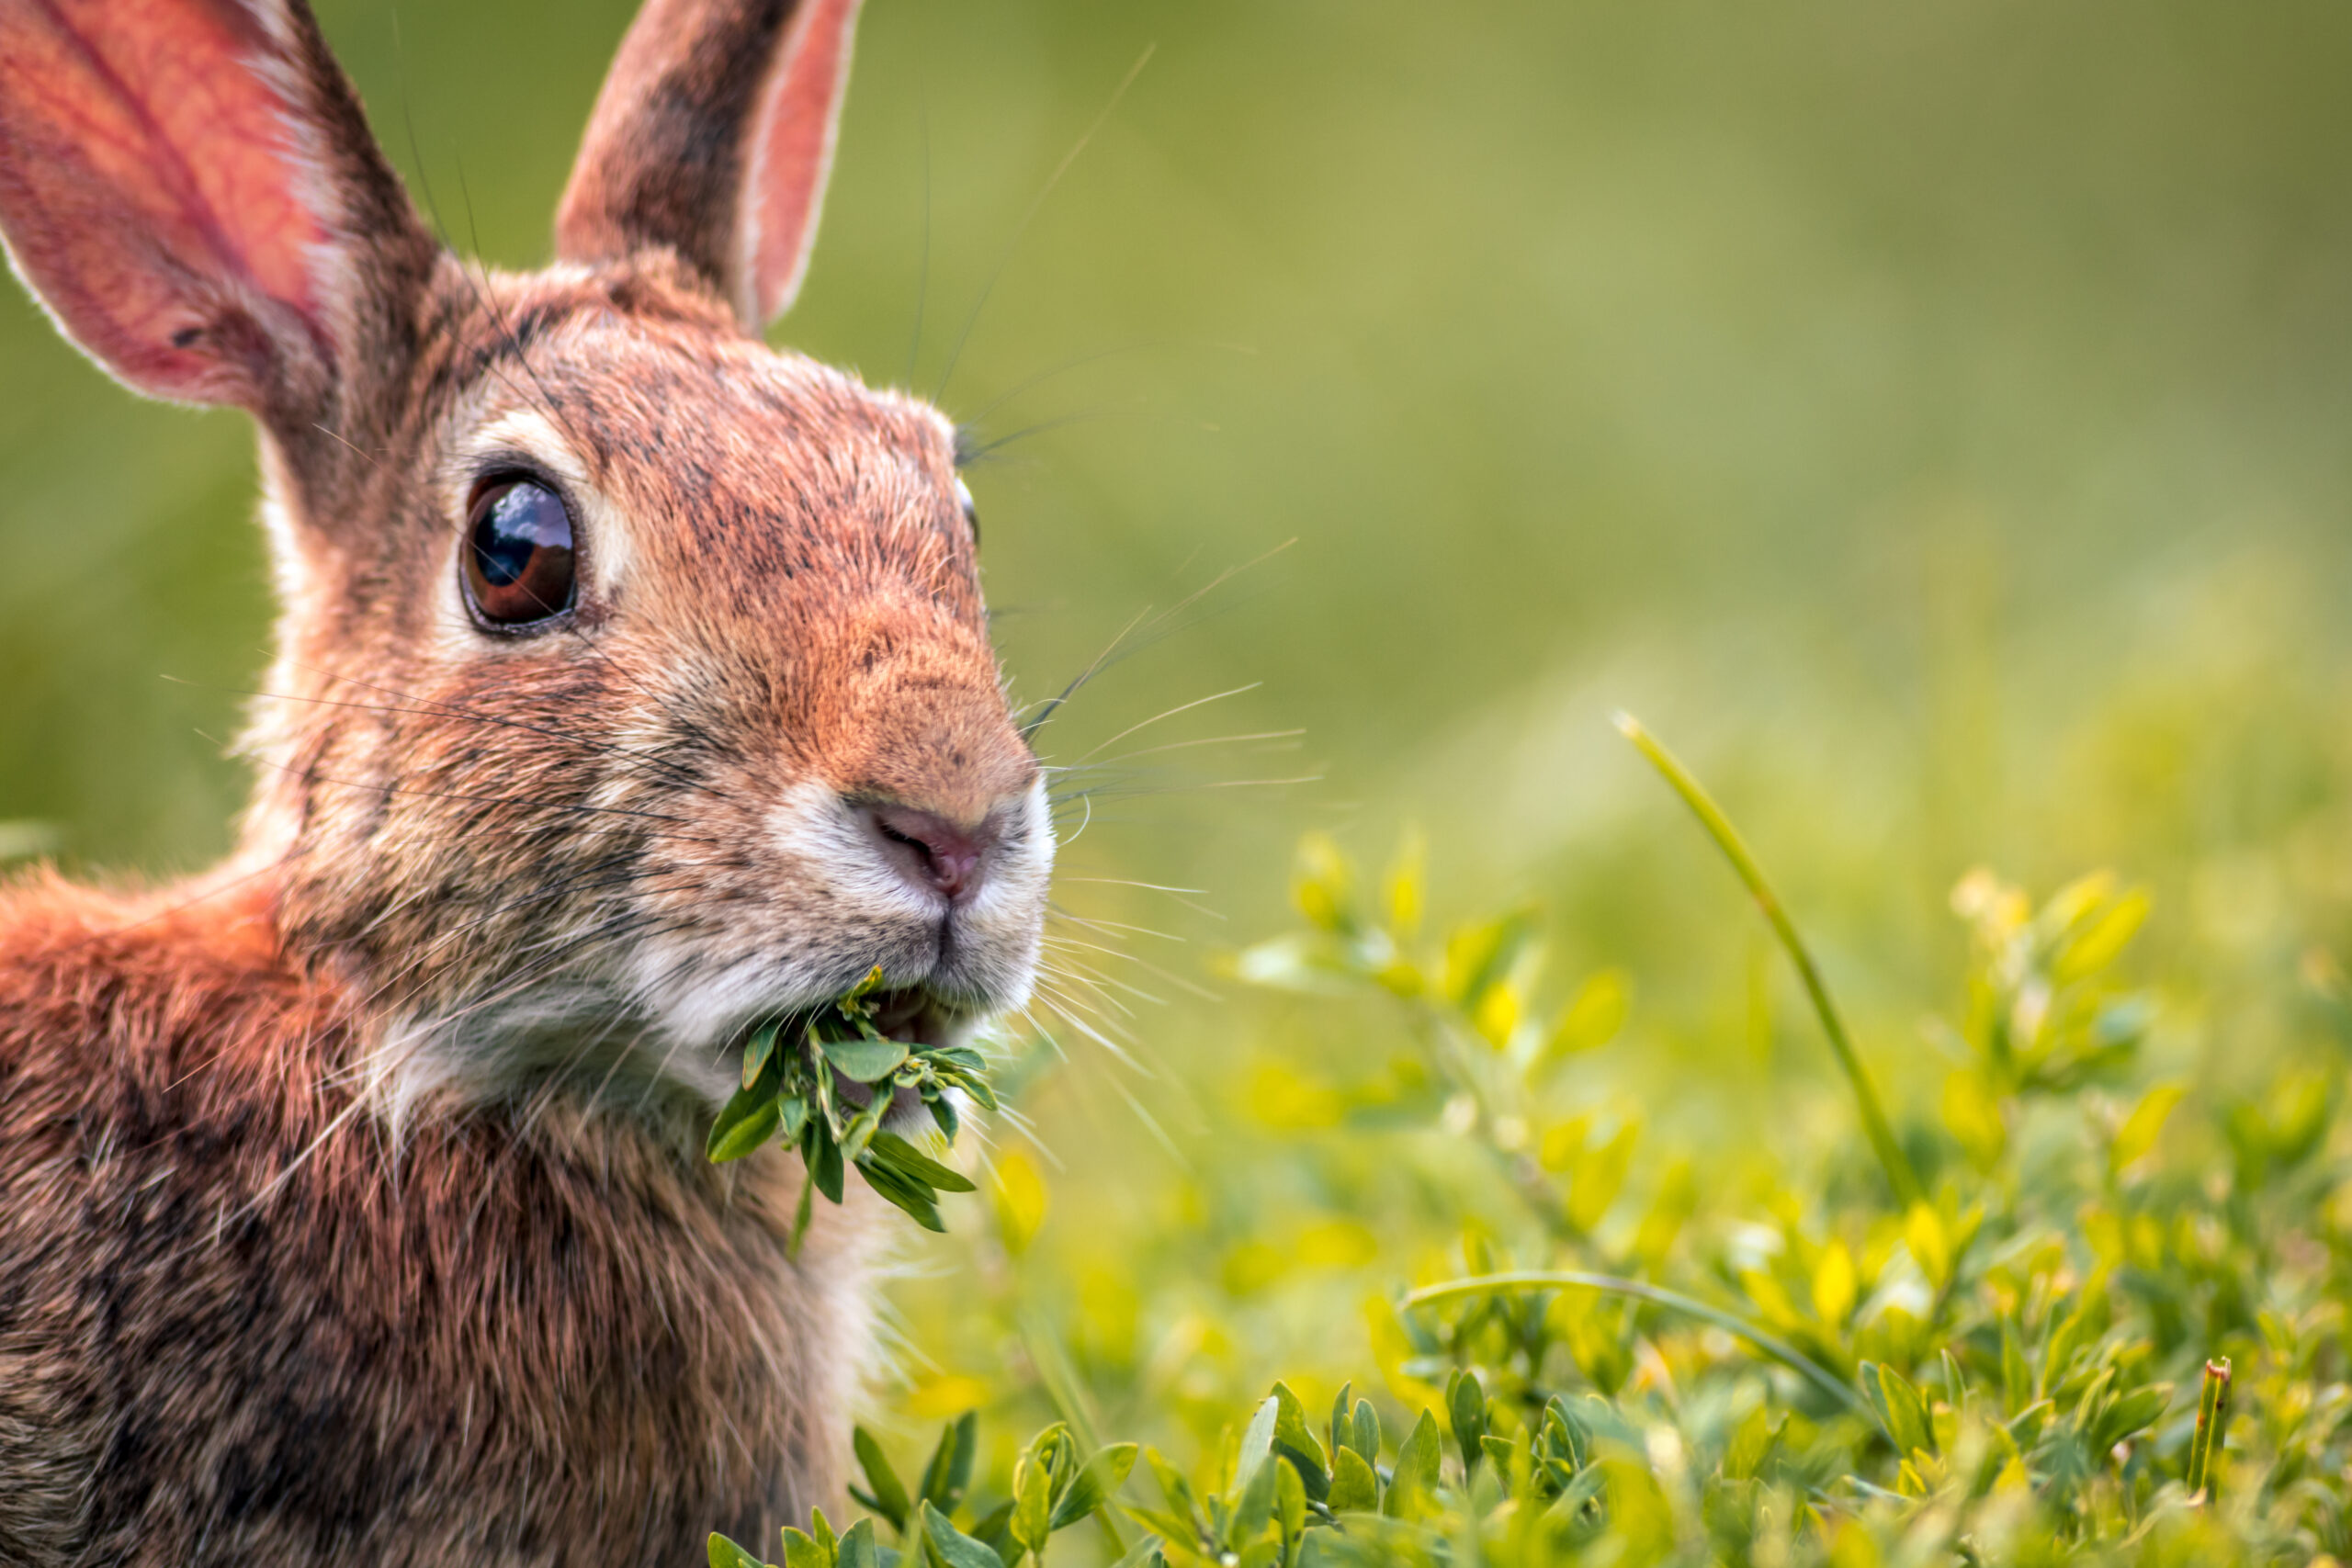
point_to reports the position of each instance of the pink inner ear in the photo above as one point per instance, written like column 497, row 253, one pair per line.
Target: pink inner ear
column 149, row 178
column 795, row 151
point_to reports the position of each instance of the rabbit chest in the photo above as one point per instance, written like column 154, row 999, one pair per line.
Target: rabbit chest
column 240, row 1322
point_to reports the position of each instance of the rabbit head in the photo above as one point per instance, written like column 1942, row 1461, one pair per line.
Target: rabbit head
column 633, row 679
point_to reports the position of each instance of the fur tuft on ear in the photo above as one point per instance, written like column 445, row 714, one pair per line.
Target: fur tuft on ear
column 712, row 138
column 190, row 188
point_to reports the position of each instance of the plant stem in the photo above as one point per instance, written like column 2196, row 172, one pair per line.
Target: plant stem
column 1770, row 1344
column 1899, row 1174
column 2205, row 1446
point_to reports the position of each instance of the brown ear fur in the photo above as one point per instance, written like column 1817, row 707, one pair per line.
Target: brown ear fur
column 713, row 137
column 191, row 187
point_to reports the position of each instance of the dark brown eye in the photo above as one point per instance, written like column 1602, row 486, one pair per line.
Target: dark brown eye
column 517, row 557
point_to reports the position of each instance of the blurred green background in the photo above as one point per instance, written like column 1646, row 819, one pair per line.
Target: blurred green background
column 1931, row 419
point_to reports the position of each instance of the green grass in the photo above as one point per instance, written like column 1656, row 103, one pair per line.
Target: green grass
column 1928, row 417
column 2004, row 1332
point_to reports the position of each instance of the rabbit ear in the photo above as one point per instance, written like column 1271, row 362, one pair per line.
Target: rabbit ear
column 191, row 188
column 713, row 137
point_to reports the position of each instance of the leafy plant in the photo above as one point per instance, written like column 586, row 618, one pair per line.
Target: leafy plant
column 1974, row 1349
column 794, row 1070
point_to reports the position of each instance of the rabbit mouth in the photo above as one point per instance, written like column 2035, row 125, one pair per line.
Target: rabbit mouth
column 917, row 1017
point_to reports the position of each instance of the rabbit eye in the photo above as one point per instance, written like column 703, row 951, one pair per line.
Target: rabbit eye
column 971, row 511
column 517, row 562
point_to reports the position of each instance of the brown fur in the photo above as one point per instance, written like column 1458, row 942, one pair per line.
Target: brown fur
column 352, row 1207
column 236, row 1329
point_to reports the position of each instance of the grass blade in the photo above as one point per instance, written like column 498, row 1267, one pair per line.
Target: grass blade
column 1771, row 1343
column 1897, row 1165
column 2212, row 1419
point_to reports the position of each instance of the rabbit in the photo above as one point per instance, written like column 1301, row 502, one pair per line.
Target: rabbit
column 632, row 685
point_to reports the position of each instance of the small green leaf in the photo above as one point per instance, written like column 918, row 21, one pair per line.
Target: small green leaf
column 1479, row 957
column 859, row 1134
column 1583, row 1489
column 1290, row 1501
column 1750, row 1445
column 858, row 1548
column 1412, row 1490
column 801, row 1551
column 951, row 1548
column 801, row 1213
column 1145, row 1553
column 1257, row 1442
column 995, row 1530
column 1366, row 1441
column 823, row 1532
column 824, row 1157
column 1167, row 1526
column 1593, row 1019
column 1033, row 1488
column 890, row 1495
column 749, row 1119
column 1094, row 1484
column 864, row 1060
column 758, row 1049
column 1466, row 1400
column 2133, row 1413
column 725, row 1553
column 1174, row 1487
column 1295, row 1443
column 1355, row 1488
column 950, row 1470
column 1255, row 1510
column 1900, row 1406
column 2141, row 1129
column 943, row 1112
column 912, row 1198
column 905, row 1156
column 2017, row 1377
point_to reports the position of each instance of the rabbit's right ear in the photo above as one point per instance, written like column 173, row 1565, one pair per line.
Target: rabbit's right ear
column 191, row 188
column 712, row 138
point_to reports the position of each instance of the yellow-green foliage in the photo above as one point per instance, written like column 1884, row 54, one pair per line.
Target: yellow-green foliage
column 2071, row 1310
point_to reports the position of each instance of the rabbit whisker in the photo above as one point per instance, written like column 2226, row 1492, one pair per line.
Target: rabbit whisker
column 1106, row 926
column 1179, row 981
column 1036, row 203
column 923, row 275
column 514, row 336
column 1187, row 745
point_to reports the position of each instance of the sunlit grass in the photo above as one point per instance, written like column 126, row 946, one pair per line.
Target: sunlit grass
column 2023, row 1354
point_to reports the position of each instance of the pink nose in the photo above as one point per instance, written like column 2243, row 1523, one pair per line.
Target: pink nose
column 932, row 852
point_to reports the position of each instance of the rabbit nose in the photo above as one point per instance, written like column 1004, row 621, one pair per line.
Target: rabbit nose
column 932, row 852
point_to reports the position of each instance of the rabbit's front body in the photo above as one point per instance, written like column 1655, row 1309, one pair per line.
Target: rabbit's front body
column 237, row 1331
column 632, row 685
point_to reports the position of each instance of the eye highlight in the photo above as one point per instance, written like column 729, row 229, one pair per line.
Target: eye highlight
column 517, row 560
column 971, row 509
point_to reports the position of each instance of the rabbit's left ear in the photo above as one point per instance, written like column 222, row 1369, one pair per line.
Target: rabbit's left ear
column 191, row 187
column 712, row 138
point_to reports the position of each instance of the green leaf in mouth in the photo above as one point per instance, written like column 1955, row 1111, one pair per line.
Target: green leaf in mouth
column 793, row 1070
column 892, row 1149
column 868, row 1059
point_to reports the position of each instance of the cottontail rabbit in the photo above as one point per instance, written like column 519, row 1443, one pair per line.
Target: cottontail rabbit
column 631, row 684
